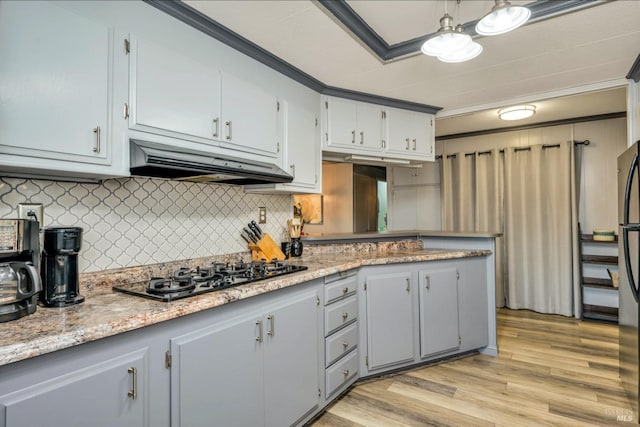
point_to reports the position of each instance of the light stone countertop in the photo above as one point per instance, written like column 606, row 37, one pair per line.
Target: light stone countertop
column 110, row 313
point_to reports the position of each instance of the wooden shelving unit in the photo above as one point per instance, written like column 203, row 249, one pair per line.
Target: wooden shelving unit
column 590, row 311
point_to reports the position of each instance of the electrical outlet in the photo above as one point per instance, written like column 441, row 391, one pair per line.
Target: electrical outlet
column 29, row 210
column 262, row 215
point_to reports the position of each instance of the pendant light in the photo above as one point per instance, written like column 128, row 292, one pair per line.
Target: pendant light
column 472, row 50
column 502, row 18
column 446, row 39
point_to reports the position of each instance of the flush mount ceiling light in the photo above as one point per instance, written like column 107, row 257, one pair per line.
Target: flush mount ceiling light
column 472, row 50
column 446, row 40
column 517, row 112
column 502, row 18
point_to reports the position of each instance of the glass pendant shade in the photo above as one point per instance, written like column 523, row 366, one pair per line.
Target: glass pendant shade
column 472, row 50
column 502, row 18
column 517, row 112
column 446, row 39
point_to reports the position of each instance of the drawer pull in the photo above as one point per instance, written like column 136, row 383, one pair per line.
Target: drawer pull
column 133, row 393
column 345, row 290
column 344, row 316
column 346, row 373
column 345, row 344
column 272, row 322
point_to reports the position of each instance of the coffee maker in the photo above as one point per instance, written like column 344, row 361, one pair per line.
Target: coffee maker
column 60, row 266
column 19, row 268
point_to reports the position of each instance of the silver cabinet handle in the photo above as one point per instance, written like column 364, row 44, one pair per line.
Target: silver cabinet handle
column 216, row 127
column 125, row 112
column 293, row 170
column 345, row 344
column 344, row 316
column 361, row 138
column 407, row 139
column 272, row 325
column 408, row 284
column 133, row 393
column 428, row 282
column 414, row 144
column 96, row 145
column 229, row 127
column 345, row 290
column 353, row 136
column 259, row 324
column 346, row 373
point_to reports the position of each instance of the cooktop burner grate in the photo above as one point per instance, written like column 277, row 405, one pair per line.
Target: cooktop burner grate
column 185, row 282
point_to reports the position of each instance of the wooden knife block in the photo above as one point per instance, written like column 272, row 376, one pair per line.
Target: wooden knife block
column 266, row 249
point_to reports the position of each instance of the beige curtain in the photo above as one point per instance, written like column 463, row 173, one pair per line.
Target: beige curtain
column 472, row 200
column 540, row 221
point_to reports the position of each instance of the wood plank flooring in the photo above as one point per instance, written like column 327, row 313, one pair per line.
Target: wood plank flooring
column 551, row 370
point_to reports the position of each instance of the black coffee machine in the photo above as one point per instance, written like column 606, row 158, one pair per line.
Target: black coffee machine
column 19, row 268
column 60, row 266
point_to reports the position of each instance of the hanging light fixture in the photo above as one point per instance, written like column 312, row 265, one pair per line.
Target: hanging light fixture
column 472, row 50
column 502, row 18
column 517, row 112
column 446, row 39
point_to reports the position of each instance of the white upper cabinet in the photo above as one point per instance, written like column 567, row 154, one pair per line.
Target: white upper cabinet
column 173, row 94
column 376, row 132
column 298, row 133
column 56, row 71
column 177, row 95
column 249, row 116
column 409, row 134
column 352, row 126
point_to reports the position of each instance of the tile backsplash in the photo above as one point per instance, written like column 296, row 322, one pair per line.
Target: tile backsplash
column 137, row 221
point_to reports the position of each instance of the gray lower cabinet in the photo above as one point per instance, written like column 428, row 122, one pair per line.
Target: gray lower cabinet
column 260, row 368
column 111, row 392
column 389, row 318
column 439, row 320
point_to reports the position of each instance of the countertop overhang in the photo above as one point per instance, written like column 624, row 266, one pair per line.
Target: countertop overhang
column 111, row 313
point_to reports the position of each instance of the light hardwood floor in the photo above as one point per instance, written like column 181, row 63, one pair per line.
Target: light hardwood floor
column 550, row 370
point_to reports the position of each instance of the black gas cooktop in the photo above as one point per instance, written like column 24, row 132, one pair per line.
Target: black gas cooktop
column 186, row 282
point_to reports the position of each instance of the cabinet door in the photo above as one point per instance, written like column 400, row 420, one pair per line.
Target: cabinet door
column 98, row 395
column 302, row 150
column 410, row 134
column 341, row 123
column 439, row 324
column 369, row 134
column 389, row 319
column 55, row 83
column 250, row 116
column 216, row 376
column 172, row 93
column 291, row 360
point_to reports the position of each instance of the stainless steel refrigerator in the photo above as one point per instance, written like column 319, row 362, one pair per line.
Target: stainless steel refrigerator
column 629, row 270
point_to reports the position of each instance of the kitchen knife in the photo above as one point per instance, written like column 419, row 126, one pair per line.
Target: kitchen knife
column 255, row 224
column 246, row 239
column 255, row 231
column 251, row 235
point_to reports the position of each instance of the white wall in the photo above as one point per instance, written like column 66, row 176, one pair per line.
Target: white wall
column 598, row 198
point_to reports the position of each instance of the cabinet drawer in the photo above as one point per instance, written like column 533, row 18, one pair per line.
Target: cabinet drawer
column 340, row 289
column 340, row 314
column 340, row 343
column 340, row 373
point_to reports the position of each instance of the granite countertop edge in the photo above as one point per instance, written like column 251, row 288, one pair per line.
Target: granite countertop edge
column 324, row 237
column 112, row 313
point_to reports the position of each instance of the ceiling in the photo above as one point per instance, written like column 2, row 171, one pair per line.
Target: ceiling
column 590, row 50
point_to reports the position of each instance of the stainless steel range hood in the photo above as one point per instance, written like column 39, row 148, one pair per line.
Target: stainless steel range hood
column 164, row 161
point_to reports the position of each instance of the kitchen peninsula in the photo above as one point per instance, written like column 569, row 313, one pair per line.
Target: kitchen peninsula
column 139, row 352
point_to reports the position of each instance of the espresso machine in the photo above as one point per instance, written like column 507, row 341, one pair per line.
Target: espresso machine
column 60, row 266
column 19, row 268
